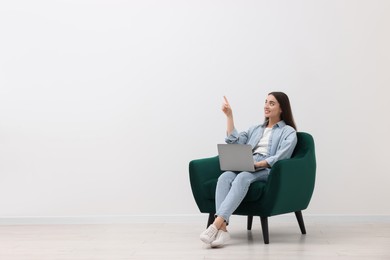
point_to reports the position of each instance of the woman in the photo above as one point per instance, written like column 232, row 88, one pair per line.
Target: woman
column 271, row 141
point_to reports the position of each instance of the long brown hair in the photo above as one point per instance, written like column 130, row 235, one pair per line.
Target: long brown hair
column 284, row 103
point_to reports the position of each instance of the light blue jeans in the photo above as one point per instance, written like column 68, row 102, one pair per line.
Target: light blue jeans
column 232, row 188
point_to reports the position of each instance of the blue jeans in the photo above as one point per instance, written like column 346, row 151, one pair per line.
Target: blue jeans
column 232, row 188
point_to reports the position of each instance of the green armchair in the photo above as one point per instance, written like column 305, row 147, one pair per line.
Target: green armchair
column 288, row 189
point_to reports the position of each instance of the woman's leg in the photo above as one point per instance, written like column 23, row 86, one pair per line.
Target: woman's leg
column 223, row 187
column 231, row 191
column 237, row 192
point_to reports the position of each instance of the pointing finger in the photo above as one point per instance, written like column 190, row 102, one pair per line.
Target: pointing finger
column 226, row 99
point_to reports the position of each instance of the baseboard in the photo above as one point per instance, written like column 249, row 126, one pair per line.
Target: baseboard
column 182, row 218
column 106, row 219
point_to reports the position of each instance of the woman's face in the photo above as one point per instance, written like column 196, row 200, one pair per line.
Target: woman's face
column 272, row 108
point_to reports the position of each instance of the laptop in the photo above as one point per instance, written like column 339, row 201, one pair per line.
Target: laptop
column 237, row 157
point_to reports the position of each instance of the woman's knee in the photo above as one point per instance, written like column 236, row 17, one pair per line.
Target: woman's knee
column 227, row 177
column 244, row 178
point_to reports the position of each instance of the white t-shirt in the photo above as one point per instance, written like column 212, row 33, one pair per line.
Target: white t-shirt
column 262, row 146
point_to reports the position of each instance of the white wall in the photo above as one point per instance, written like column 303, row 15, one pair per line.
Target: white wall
column 104, row 103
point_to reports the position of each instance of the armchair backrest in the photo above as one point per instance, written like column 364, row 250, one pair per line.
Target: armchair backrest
column 305, row 146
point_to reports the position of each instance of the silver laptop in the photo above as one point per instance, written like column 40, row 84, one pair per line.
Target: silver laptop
column 236, row 157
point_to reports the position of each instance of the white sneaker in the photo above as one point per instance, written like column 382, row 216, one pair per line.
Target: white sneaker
column 209, row 234
column 221, row 239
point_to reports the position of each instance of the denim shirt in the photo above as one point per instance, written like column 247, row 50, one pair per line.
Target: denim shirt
column 281, row 143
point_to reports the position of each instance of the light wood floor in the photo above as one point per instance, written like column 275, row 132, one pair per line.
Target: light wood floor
column 324, row 240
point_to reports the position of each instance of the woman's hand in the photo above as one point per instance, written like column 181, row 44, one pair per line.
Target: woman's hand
column 229, row 115
column 226, row 108
column 262, row 164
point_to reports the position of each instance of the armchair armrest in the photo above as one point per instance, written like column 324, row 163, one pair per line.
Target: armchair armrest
column 201, row 171
column 205, row 169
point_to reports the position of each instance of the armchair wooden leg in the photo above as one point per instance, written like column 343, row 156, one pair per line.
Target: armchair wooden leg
column 299, row 216
column 211, row 219
column 249, row 223
column 264, row 226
